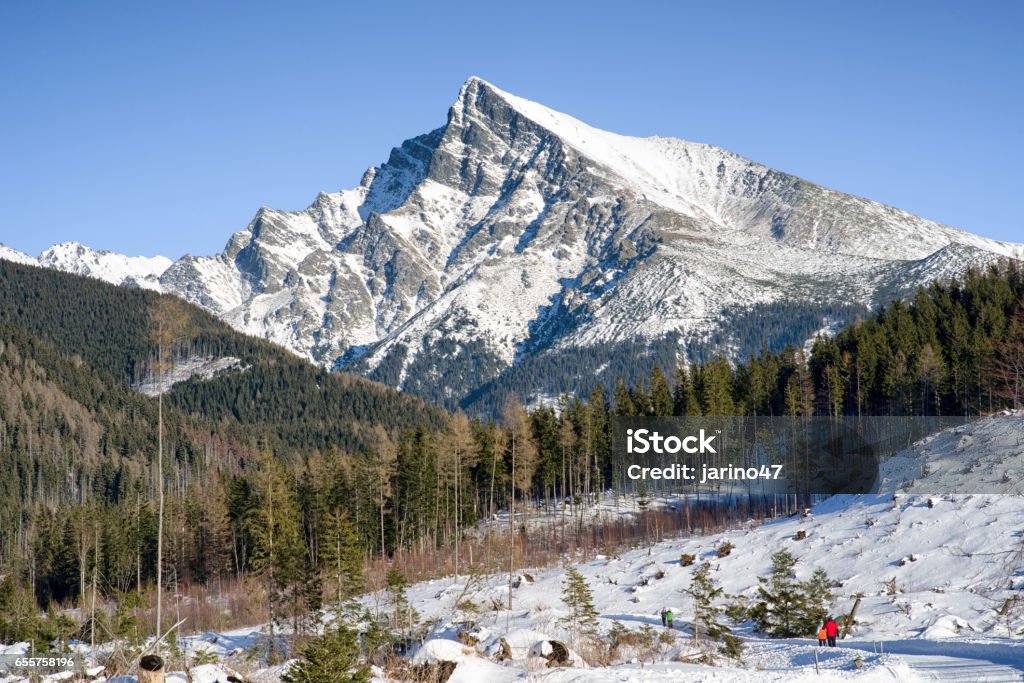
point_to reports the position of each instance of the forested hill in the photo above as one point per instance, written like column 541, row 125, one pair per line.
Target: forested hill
column 279, row 400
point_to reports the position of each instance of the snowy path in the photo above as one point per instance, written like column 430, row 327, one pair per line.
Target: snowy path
column 979, row 662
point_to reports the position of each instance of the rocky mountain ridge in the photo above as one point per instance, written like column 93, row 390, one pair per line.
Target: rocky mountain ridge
column 516, row 238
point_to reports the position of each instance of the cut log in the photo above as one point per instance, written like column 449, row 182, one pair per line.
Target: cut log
column 849, row 619
column 151, row 669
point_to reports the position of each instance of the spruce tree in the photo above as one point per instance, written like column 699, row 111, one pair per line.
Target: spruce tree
column 818, row 591
column 707, row 596
column 623, row 399
column 342, row 557
column 333, row 657
column 789, row 608
column 781, row 603
column 661, row 396
column 278, row 553
column 403, row 617
column 577, row 596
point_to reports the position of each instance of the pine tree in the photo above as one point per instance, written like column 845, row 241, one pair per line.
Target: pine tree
column 717, row 388
column 577, row 596
column 684, row 398
column 706, row 594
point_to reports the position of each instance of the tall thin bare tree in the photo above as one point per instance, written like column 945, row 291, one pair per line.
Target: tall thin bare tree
column 169, row 325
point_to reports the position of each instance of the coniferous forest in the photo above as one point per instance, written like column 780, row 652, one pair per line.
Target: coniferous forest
column 293, row 481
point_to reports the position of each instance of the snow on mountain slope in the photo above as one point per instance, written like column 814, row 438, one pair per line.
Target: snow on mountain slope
column 184, row 369
column 8, row 254
column 139, row 271
column 514, row 230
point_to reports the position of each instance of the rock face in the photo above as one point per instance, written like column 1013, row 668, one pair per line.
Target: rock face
column 518, row 248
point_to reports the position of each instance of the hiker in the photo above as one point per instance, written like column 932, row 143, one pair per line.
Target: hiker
column 831, row 631
column 822, row 635
column 668, row 618
column 664, row 616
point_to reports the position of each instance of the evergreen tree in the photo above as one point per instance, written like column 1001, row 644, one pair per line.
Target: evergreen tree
column 661, row 396
column 402, row 616
column 781, row 608
column 577, row 596
column 278, row 551
column 624, row 404
column 716, row 386
column 333, row 657
column 684, row 397
column 818, row 591
column 341, row 554
column 706, row 594
column 789, row 608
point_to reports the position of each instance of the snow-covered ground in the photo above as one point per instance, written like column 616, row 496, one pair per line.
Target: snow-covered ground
column 934, row 572
column 986, row 456
column 184, row 369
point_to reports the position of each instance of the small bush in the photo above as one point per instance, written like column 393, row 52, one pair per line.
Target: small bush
column 732, row 647
column 800, row 535
column 660, row 574
column 686, row 559
column 725, row 549
column 469, row 606
column 334, row 657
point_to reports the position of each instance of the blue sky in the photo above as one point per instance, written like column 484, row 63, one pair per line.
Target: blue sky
column 161, row 127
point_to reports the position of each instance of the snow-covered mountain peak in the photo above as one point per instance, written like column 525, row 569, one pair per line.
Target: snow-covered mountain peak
column 74, row 257
column 515, row 234
column 15, row 256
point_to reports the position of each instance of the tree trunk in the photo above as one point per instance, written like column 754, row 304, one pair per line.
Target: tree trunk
column 160, row 513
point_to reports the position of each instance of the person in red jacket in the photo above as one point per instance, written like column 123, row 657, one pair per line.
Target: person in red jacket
column 831, row 631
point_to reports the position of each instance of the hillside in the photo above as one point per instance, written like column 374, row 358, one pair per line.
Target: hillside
column 78, row 442
column 280, row 399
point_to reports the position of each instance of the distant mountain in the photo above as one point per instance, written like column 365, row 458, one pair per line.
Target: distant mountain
column 72, row 257
column 518, row 248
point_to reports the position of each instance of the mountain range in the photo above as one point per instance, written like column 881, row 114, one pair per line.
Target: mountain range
column 517, row 248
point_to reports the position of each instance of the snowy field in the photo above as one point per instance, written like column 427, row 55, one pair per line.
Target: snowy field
column 934, row 572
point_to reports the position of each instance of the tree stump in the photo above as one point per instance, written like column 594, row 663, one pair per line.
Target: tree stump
column 151, row 669
column 559, row 655
column 503, row 654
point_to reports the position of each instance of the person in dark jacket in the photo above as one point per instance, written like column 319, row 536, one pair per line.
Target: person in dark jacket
column 831, row 631
column 664, row 616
